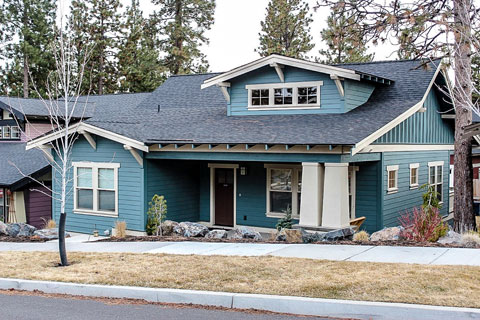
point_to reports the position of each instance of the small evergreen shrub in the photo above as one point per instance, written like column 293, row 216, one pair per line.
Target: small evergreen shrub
column 156, row 215
column 361, row 236
column 120, row 229
column 285, row 222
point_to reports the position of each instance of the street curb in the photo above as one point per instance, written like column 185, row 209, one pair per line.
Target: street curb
column 283, row 304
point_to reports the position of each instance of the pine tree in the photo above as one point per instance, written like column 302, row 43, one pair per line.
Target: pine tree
column 96, row 24
column 476, row 80
column 27, row 31
column 286, row 29
column 344, row 40
column 181, row 26
column 139, row 67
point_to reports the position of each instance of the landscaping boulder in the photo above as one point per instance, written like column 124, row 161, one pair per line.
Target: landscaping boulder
column 13, row 229
column 3, row 228
column 168, row 226
column 387, row 234
column 451, row 237
column 50, row 234
column 289, row 235
column 246, row 233
column 340, row 234
column 26, row 230
column 190, row 229
column 310, row 237
column 217, row 234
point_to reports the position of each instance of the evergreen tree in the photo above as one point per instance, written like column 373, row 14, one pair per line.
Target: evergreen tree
column 96, row 24
column 181, row 26
column 476, row 80
column 27, row 31
column 344, row 40
column 139, row 67
column 286, row 29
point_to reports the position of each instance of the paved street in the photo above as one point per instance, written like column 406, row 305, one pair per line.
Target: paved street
column 420, row 255
column 32, row 307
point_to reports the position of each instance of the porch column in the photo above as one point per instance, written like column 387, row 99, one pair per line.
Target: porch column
column 335, row 195
column 312, row 193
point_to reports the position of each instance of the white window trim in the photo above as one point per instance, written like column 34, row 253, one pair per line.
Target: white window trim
column 4, row 132
column 436, row 164
column 294, row 85
column 17, row 128
column 295, row 210
column 95, row 166
column 414, row 166
column 395, row 169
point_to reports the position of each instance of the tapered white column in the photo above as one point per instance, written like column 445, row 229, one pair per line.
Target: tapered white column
column 312, row 193
column 335, row 213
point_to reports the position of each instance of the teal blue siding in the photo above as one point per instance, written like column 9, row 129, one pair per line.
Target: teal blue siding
column 423, row 127
column 367, row 198
column 397, row 203
column 357, row 93
column 330, row 99
column 204, row 192
column 178, row 182
column 130, row 186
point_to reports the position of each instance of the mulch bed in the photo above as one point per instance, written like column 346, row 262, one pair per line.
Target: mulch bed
column 397, row 243
column 21, row 239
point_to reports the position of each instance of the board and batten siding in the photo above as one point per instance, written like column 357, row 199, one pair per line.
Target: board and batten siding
column 356, row 93
column 423, row 127
column 367, row 197
column 396, row 204
column 131, row 197
column 178, row 182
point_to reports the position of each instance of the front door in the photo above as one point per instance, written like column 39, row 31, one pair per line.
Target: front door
column 224, row 180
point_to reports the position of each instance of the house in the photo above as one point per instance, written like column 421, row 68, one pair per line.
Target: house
column 328, row 142
column 25, row 175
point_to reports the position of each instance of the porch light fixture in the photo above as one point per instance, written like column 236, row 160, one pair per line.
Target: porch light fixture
column 243, row 171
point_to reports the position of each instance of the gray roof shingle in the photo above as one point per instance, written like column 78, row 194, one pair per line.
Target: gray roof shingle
column 191, row 115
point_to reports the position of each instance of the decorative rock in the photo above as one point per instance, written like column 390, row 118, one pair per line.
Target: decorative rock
column 310, row 237
column 26, row 230
column 3, row 228
column 190, row 229
column 246, row 233
column 451, row 237
column 340, row 234
column 168, row 226
column 50, row 234
column 290, row 235
column 13, row 229
column 387, row 234
column 217, row 234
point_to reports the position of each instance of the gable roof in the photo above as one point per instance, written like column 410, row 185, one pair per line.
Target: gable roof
column 276, row 59
column 15, row 160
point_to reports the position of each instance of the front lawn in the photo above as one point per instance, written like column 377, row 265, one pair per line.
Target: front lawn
column 421, row 284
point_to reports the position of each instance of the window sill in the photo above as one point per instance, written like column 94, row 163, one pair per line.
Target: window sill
column 96, row 213
column 413, row 186
column 391, row 191
column 280, row 215
column 297, row 107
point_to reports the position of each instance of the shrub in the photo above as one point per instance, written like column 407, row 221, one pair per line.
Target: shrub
column 120, row 229
column 285, row 222
column 361, row 236
column 156, row 215
column 49, row 224
column 471, row 238
column 423, row 225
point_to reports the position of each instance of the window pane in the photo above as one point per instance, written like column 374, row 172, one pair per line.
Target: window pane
column 84, row 177
column 264, row 93
column 302, row 91
column 15, row 132
column 312, row 100
column 255, row 93
column 439, row 174
column 299, row 181
column 278, row 100
column 106, row 200
column 302, row 99
column 288, row 100
column 255, row 101
column 105, row 179
column 280, row 201
column 278, row 93
column 264, row 101
column 439, row 192
column 312, row 91
column 281, row 180
column 85, row 199
column 6, row 132
column 431, row 178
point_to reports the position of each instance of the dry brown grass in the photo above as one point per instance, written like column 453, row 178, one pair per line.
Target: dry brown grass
column 361, row 236
column 49, row 224
column 435, row 285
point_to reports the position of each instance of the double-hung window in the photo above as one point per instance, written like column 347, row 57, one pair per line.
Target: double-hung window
column 296, row 95
column 6, row 132
column 15, row 132
column 392, row 179
column 435, row 178
column 96, row 188
column 284, row 187
column 414, row 175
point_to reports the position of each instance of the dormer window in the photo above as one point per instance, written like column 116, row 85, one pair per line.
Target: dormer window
column 291, row 95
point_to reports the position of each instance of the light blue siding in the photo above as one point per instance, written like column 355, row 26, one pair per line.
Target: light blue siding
column 423, row 127
column 330, row 100
column 178, row 182
column 397, row 203
column 130, row 189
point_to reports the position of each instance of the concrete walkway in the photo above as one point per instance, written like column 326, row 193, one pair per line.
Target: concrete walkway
column 419, row 255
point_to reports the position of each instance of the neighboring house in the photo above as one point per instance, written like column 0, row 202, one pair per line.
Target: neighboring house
column 239, row 148
column 25, row 175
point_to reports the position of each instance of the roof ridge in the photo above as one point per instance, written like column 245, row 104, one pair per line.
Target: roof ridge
column 194, row 74
column 382, row 61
